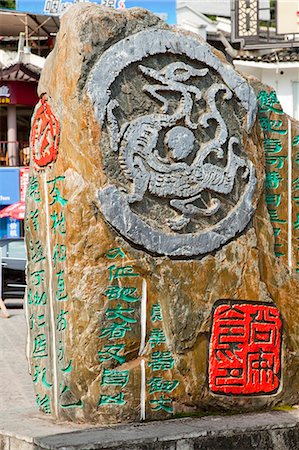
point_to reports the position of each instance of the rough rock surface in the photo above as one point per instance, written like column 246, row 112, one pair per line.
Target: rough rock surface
column 143, row 349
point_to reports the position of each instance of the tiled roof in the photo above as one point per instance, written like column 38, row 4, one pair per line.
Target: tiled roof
column 289, row 55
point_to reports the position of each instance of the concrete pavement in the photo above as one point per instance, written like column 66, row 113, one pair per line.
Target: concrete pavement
column 22, row 427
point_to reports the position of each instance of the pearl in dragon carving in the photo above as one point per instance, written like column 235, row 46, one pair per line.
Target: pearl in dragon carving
column 182, row 174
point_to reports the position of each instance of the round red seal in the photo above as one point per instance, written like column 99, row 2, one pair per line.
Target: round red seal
column 44, row 137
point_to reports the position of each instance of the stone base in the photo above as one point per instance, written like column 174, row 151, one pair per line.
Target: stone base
column 276, row 430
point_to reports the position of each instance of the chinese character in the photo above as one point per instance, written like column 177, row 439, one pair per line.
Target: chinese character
column 245, row 339
column 43, row 403
column 61, row 322
column 37, row 299
column 271, row 125
column 162, row 403
column 274, row 216
column 272, row 180
column 115, row 331
column 268, row 102
column 61, row 293
column 161, row 361
column 118, row 272
column 112, row 400
column 115, row 377
column 296, row 223
column 58, row 222
column 112, row 352
column 36, row 251
column 36, row 375
column 39, row 321
column 277, row 161
column 157, row 337
column 273, row 199
column 59, row 254
column 37, row 277
column 156, row 313
column 119, row 313
column 114, row 253
column 272, row 146
column 121, row 293
column 40, row 346
column 69, row 402
column 34, row 219
column 158, row 384
column 55, row 192
column 33, row 189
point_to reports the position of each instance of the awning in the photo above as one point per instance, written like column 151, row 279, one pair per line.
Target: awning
column 15, row 211
column 13, row 23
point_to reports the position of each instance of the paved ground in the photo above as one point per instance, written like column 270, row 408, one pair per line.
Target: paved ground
column 23, row 428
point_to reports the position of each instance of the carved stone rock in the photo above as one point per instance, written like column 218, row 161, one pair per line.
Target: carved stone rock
column 162, row 234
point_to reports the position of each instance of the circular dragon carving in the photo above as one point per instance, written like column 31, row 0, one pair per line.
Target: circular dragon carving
column 172, row 116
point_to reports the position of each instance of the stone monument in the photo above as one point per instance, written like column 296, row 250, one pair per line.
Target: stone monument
column 162, row 228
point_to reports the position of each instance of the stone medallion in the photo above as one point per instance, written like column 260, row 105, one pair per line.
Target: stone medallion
column 172, row 117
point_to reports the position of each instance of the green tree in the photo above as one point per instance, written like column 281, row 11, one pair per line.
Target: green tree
column 8, row 4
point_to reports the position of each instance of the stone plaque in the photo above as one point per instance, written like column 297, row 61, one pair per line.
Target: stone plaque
column 149, row 183
column 180, row 182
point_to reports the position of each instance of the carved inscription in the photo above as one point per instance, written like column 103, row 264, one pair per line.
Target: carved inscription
column 245, row 349
column 180, row 183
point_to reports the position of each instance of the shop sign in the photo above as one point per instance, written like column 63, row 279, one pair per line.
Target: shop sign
column 4, row 94
column 9, row 186
column 13, row 228
column 24, row 178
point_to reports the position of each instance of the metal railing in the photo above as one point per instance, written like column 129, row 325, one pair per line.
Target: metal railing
column 14, row 153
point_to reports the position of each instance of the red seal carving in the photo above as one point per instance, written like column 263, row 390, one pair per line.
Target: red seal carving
column 245, row 349
column 44, row 137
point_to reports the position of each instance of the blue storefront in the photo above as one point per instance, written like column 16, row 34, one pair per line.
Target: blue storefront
column 9, row 194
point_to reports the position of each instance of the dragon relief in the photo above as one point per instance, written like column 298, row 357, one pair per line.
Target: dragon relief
column 183, row 173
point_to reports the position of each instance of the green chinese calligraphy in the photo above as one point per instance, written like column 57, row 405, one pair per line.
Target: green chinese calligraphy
column 40, row 346
column 115, row 377
column 55, row 192
column 120, row 313
column 36, row 251
column 159, row 384
column 115, row 331
column 122, row 293
column 112, row 352
column 37, row 321
column 156, row 313
column 273, row 180
column 69, row 401
column 58, row 222
column 274, row 216
column 162, row 403
column 60, row 353
column 43, row 373
column 273, row 199
column 114, row 253
column 118, row 272
column 33, row 189
column 157, row 337
column 68, row 368
column 271, row 125
column 61, row 322
column 295, row 140
column 272, row 146
column 161, row 361
column 268, row 101
column 276, row 161
column 43, row 403
column 112, row 399
column 33, row 218
column 276, row 231
column 61, row 293
column 37, row 277
column 59, row 254
column 37, row 299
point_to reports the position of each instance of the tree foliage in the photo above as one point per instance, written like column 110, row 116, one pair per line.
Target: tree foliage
column 8, row 4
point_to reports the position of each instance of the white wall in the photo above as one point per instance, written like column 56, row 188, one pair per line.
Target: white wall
column 280, row 77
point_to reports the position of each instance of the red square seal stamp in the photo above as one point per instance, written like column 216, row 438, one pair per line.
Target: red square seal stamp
column 245, row 348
